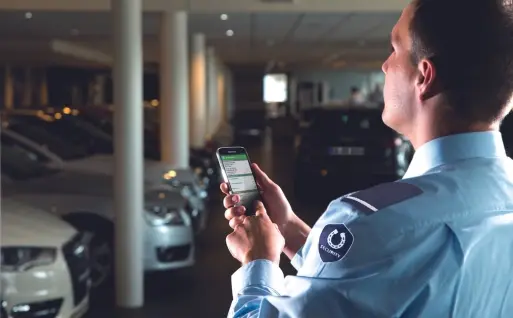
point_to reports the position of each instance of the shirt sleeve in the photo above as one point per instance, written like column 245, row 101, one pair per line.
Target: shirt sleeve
column 384, row 272
column 334, row 213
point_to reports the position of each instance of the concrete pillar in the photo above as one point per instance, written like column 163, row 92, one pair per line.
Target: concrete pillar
column 292, row 96
column 77, row 95
column 43, row 89
column 174, row 89
column 212, row 100
column 198, row 111
column 128, row 145
column 8, row 88
column 98, row 97
column 26, row 100
column 221, row 94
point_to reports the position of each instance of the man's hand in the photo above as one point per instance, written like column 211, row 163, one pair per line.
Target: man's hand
column 257, row 237
column 277, row 205
column 293, row 229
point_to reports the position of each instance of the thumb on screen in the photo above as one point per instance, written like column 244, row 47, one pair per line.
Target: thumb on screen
column 262, row 178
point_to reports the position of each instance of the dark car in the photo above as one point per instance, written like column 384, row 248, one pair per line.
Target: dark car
column 77, row 132
column 348, row 146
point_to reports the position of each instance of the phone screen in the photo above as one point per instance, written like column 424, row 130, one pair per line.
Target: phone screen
column 241, row 179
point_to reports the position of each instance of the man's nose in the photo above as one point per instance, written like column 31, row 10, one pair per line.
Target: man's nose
column 384, row 66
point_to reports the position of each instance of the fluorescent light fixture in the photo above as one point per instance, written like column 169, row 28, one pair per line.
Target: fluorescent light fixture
column 230, row 33
column 224, row 17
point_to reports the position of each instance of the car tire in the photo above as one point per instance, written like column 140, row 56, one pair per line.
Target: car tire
column 101, row 247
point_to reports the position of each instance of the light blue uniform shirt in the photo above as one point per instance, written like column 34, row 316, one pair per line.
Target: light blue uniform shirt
column 438, row 243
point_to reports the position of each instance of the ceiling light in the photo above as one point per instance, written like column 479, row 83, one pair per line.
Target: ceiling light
column 230, row 33
column 28, row 15
column 74, row 32
column 224, row 17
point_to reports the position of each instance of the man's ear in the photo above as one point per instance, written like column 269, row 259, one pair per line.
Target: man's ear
column 426, row 76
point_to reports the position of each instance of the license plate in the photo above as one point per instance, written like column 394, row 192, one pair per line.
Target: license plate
column 347, row 151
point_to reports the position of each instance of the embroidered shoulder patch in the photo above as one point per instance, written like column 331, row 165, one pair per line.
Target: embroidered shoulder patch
column 382, row 196
column 334, row 242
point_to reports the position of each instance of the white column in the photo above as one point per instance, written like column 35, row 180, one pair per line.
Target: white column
column 174, row 89
column 128, row 145
column 27, row 88
column 43, row 89
column 8, row 88
column 211, row 92
column 198, row 111
column 221, row 94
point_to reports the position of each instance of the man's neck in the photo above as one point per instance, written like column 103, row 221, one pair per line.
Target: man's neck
column 435, row 129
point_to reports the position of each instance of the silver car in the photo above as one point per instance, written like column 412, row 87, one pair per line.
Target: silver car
column 56, row 152
column 85, row 201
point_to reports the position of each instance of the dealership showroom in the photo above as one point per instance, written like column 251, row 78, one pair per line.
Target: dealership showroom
column 122, row 119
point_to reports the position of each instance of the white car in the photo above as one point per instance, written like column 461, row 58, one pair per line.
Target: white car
column 85, row 201
column 45, row 266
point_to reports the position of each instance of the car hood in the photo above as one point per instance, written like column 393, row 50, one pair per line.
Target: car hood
column 28, row 226
column 104, row 164
column 70, row 183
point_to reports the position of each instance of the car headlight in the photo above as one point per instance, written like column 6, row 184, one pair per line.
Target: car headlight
column 161, row 215
column 19, row 259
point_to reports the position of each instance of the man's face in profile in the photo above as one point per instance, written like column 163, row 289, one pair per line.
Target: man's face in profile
column 400, row 75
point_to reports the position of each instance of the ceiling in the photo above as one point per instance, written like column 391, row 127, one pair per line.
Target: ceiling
column 296, row 39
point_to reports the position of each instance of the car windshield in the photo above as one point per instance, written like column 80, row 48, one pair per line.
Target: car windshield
column 19, row 164
column 67, row 150
column 77, row 131
column 104, row 121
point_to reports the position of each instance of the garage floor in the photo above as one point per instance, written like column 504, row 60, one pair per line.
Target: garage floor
column 205, row 291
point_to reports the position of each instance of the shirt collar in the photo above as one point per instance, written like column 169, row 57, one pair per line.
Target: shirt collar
column 453, row 148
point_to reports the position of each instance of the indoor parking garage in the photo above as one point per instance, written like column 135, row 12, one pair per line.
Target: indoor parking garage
column 114, row 119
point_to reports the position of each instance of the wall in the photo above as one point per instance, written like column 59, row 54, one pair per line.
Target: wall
column 341, row 81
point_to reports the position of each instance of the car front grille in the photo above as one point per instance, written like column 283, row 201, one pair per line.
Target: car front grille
column 77, row 258
column 44, row 309
column 173, row 254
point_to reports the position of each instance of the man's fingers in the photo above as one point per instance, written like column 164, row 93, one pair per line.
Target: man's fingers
column 262, row 179
column 234, row 222
column 234, row 212
column 231, row 200
column 260, row 210
column 224, row 188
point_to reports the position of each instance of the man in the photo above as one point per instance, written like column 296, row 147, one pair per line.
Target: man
column 437, row 243
column 356, row 98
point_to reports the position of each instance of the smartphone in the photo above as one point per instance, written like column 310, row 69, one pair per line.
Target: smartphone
column 237, row 173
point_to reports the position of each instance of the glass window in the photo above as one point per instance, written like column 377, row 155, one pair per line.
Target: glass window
column 275, row 88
